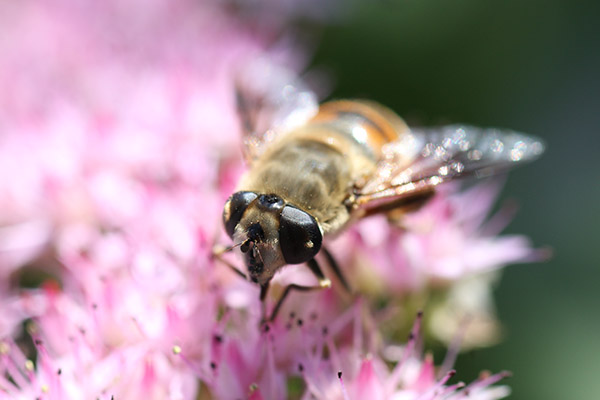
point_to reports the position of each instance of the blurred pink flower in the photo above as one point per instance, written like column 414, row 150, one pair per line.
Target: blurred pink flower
column 119, row 143
column 442, row 258
column 448, row 239
column 115, row 119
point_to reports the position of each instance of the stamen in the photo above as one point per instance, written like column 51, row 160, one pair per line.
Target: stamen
column 438, row 389
column 344, row 391
column 233, row 247
column 408, row 352
column 454, row 347
column 487, row 381
column 200, row 372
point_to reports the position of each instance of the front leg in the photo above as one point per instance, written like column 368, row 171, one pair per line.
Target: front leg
column 217, row 253
column 336, row 269
column 324, row 283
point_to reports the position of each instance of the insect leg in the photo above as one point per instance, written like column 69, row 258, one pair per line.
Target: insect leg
column 263, row 295
column 336, row 269
column 394, row 199
column 324, row 283
column 217, row 253
column 316, row 269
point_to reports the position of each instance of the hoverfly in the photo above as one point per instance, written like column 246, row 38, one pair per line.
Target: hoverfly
column 315, row 169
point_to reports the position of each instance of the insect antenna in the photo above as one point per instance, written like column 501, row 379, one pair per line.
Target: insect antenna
column 218, row 254
column 232, row 247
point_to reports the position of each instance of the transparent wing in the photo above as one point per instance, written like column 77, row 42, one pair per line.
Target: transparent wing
column 271, row 100
column 412, row 166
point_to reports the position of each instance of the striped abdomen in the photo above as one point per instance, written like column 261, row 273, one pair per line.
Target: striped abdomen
column 368, row 124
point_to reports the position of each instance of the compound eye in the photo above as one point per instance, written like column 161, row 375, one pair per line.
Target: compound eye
column 299, row 235
column 234, row 210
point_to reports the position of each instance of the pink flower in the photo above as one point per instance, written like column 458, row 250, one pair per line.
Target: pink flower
column 349, row 374
column 448, row 239
column 126, row 103
column 442, row 258
column 119, row 144
column 113, row 130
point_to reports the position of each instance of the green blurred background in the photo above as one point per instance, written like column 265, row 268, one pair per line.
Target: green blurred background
column 531, row 66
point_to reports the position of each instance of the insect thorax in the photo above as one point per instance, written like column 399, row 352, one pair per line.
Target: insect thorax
column 316, row 167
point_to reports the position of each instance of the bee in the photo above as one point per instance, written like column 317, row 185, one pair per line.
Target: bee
column 316, row 169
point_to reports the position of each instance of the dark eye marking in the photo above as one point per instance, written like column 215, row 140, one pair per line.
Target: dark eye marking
column 235, row 208
column 299, row 235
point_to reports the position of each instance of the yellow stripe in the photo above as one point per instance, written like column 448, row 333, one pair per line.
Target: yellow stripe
column 381, row 124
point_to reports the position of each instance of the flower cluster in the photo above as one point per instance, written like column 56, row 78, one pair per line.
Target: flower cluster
column 443, row 258
column 119, row 143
